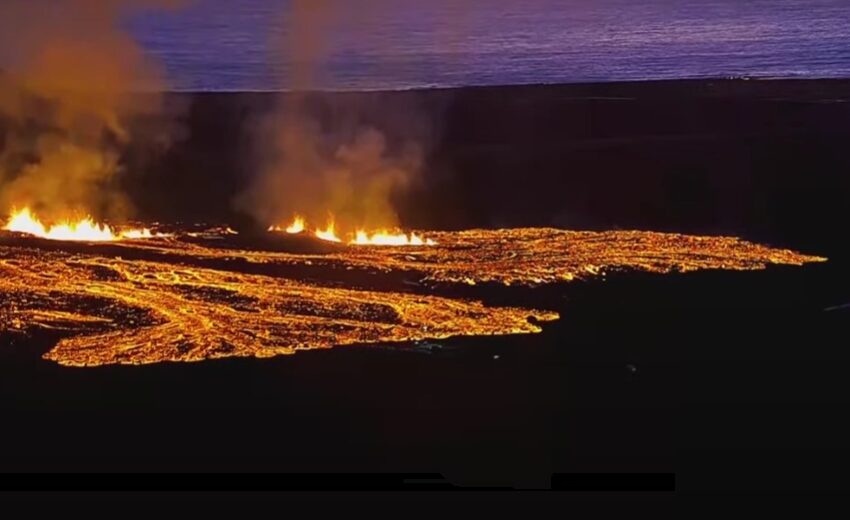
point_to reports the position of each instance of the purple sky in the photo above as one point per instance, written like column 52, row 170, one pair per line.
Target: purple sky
column 225, row 45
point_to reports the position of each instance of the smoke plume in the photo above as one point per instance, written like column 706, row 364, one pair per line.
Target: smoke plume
column 322, row 155
column 70, row 83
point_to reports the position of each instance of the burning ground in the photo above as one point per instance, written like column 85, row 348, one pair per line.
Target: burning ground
column 203, row 294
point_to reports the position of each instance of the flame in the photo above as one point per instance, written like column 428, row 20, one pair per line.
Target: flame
column 360, row 238
column 329, row 233
column 385, row 238
column 86, row 230
column 298, row 225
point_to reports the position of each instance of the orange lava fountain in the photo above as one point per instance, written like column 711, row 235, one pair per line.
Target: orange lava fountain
column 360, row 238
column 385, row 238
column 298, row 225
column 85, row 230
column 329, row 233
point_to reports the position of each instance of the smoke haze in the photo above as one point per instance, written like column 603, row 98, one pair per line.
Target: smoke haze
column 70, row 83
column 320, row 158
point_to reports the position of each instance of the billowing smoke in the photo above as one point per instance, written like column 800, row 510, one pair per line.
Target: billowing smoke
column 338, row 168
column 325, row 155
column 71, row 83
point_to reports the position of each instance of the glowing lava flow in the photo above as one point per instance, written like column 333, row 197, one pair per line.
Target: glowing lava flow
column 173, row 300
column 85, row 230
column 137, row 233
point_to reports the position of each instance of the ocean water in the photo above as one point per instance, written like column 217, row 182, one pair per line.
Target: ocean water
column 397, row 44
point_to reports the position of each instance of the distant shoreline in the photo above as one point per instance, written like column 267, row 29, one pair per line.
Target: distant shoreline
column 763, row 82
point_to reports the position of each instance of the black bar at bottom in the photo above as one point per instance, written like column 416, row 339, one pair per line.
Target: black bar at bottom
column 582, row 482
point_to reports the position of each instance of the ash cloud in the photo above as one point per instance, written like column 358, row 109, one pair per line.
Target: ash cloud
column 345, row 155
column 72, row 84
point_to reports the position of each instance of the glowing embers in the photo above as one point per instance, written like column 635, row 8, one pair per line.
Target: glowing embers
column 360, row 238
column 85, row 229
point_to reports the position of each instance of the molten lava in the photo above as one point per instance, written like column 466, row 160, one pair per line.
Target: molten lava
column 360, row 238
column 85, row 230
column 137, row 233
column 177, row 300
column 385, row 238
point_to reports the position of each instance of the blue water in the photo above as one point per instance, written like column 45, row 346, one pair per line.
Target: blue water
column 393, row 44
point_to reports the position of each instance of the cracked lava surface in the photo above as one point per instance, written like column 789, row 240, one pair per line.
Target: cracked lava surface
column 195, row 296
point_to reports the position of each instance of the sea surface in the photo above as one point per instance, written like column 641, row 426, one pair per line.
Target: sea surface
column 397, row 44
